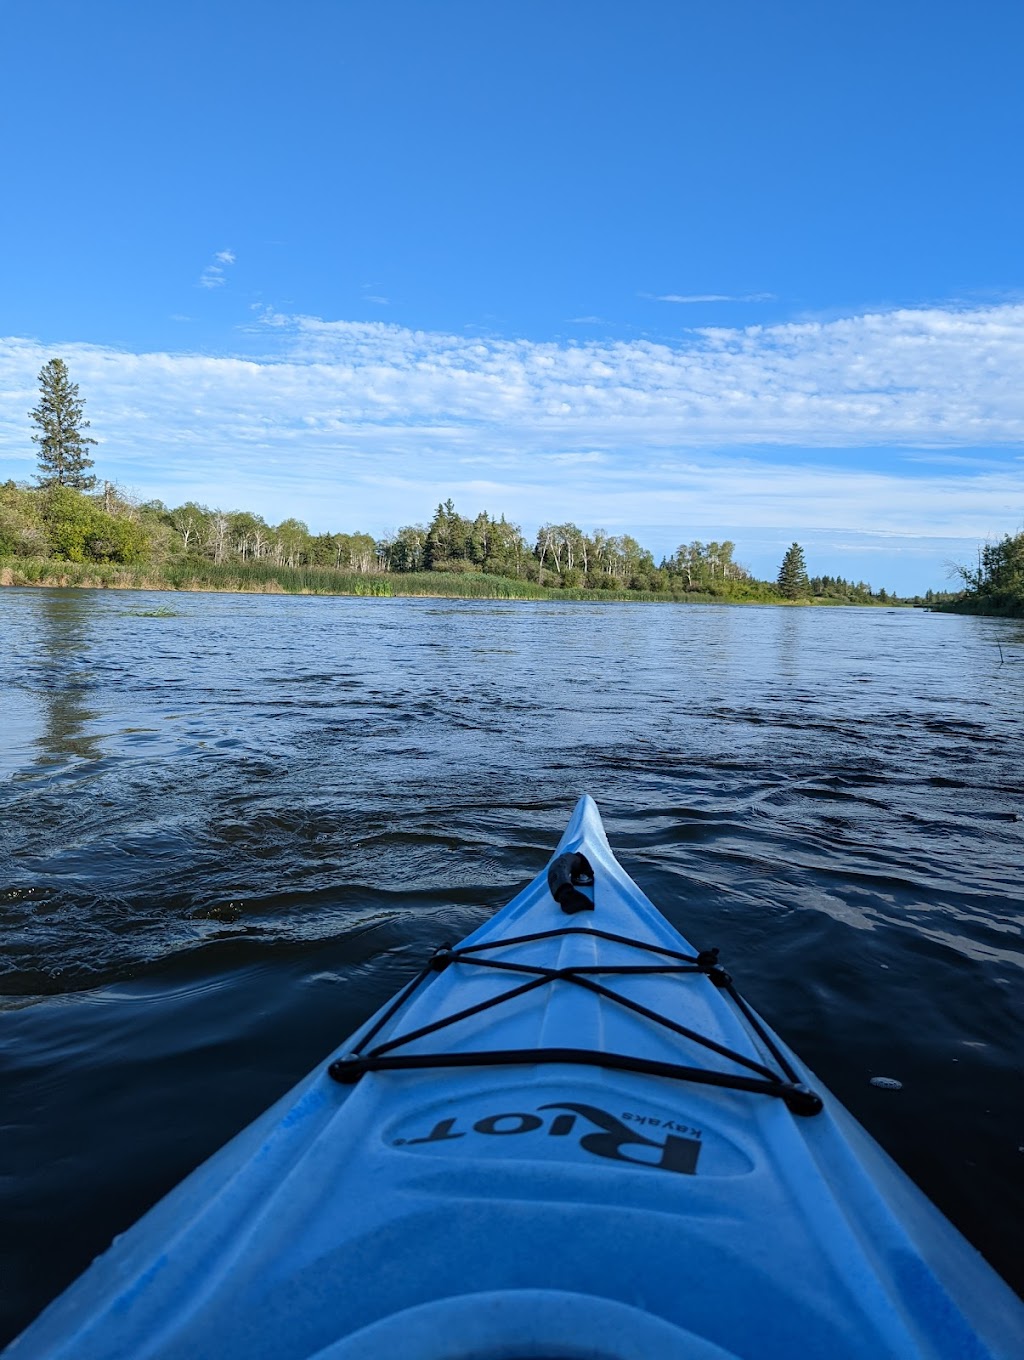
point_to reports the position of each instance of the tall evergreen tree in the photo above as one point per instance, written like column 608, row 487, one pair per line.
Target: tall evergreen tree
column 793, row 581
column 63, row 444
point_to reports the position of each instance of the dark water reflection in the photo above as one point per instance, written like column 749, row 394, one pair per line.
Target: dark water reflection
column 63, row 678
column 231, row 826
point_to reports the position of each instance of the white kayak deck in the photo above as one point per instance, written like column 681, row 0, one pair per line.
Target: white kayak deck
column 546, row 1208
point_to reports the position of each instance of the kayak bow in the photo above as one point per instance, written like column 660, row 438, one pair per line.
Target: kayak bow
column 568, row 1136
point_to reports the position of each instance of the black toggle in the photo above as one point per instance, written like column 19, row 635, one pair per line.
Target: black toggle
column 566, row 875
column 800, row 1099
column 348, row 1069
column 442, row 957
column 707, row 962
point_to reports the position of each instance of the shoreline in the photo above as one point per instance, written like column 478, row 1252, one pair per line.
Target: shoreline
column 81, row 577
column 222, row 579
column 982, row 608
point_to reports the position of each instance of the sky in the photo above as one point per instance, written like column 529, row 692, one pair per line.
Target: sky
column 680, row 270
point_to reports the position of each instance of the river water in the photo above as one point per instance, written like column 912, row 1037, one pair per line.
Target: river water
column 231, row 826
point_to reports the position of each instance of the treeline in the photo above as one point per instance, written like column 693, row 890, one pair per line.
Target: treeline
column 995, row 585
column 67, row 525
column 851, row 592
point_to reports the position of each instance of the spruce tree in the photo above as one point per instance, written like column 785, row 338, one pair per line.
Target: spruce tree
column 793, row 580
column 63, row 444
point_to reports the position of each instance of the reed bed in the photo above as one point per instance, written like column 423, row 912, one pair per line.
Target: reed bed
column 266, row 579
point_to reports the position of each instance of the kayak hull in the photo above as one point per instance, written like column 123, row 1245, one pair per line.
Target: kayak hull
column 497, row 1198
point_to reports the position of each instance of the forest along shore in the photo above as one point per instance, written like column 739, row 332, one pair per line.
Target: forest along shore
column 60, row 536
column 996, row 585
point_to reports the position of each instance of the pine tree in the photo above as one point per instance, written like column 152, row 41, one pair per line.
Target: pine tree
column 793, row 580
column 63, row 443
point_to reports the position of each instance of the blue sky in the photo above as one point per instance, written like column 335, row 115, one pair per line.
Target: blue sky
column 675, row 269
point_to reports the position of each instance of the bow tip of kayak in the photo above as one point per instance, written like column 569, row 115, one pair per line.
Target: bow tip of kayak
column 585, row 827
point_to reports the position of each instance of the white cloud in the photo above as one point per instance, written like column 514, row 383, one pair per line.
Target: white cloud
column 573, row 459
column 709, row 297
column 753, row 428
column 906, row 378
column 213, row 275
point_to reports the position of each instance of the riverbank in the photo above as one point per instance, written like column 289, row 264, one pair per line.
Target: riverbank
column 999, row 605
column 265, row 579
column 995, row 587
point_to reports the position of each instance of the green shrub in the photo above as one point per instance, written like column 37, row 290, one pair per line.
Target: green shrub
column 79, row 531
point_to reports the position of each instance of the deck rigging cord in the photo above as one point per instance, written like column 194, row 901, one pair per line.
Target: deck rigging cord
column 783, row 1083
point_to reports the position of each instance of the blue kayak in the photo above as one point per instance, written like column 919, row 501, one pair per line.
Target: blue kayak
column 568, row 1136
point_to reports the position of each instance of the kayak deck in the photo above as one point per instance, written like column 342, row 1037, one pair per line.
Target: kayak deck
column 439, row 1189
column 396, row 1051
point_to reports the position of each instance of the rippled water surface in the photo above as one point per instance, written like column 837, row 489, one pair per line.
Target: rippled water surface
column 230, row 826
